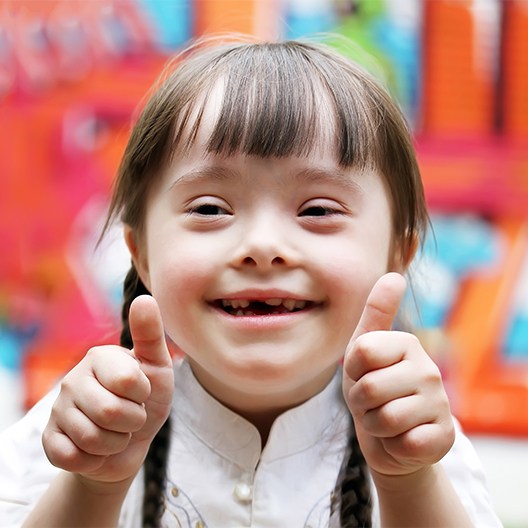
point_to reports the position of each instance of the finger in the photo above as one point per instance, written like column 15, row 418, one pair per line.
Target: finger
column 423, row 445
column 108, row 411
column 398, row 416
column 380, row 386
column 120, row 373
column 64, row 454
column 378, row 350
column 148, row 336
column 88, row 437
column 382, row 305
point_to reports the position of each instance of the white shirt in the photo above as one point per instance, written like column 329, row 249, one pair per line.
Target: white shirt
column 218, row 473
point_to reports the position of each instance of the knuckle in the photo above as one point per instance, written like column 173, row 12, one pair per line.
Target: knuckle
column 68, row 384
column 64, row 459
column 131, row 381
column 108, row 413
column 367, row 388
column 413, row 444
column 433, row 375
column 123, row 384
column 102, row 443
column 93, row 354
column 424, row 447
column 364, row 348
column 63, row 455
column 127, row 377
column 121, row 416
column 389, row 419
column 89, row 439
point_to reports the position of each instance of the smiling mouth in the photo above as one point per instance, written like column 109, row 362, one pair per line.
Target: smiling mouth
column 267, row 307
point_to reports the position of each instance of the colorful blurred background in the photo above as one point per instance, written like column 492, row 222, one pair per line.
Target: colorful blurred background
column 72, row 73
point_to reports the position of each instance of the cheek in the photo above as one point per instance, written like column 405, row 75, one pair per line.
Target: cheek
column 349, row 278
column 177, row 297
column 179, row 279
column 349, row 287
column 176, row 262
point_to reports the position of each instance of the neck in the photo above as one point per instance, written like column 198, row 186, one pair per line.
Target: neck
column 263, row 407
column 263, row 421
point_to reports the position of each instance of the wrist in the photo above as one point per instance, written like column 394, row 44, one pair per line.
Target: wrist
column 406, row 483
column 424, row 497
column 74, row 500
column 101, row 488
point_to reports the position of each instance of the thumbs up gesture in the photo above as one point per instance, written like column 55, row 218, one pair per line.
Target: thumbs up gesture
column 394, row 390
column 113, row 402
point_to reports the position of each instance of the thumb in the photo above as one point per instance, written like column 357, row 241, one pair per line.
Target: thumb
column 150, row 349
column 382, row 304
column 148, row 335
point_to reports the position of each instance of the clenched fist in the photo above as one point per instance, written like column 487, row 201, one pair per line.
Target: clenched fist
column 394, row 390
column 112, row 404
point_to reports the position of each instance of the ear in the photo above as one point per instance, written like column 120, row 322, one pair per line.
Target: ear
column 401, row 257
column 138, row 254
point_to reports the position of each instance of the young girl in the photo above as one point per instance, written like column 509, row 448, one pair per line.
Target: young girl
column 271, row 200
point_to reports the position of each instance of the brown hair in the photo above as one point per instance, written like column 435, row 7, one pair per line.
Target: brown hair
column 271, row 106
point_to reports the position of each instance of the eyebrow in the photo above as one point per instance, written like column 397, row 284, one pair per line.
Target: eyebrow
column 332, row 176
column 309, row 175
column 214, row 173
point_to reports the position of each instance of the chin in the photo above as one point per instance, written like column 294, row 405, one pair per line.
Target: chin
column 264, row 376
column 264, row 369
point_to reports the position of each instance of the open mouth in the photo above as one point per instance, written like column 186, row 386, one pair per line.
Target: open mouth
column 247, row 307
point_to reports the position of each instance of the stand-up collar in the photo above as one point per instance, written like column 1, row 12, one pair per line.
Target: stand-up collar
column 238, row 440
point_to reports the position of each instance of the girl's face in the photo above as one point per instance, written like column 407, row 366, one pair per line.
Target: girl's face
column 261, row 268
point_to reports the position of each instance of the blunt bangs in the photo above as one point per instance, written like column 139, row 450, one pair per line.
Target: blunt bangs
column 281, row 99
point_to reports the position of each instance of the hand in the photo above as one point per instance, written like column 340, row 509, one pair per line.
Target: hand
column 113, row 403
column 394, row 390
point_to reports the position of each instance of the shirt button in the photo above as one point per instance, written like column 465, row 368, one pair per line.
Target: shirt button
column 243, row 492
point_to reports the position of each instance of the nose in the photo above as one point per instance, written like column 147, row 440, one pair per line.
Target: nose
column 264, row 244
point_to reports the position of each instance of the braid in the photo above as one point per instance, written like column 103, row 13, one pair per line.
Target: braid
column 132, row 288
column 353, row 489
column 155, row 465
column 155, row 469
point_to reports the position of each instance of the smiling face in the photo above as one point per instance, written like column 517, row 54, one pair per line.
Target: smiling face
column 261, row 267
column 260, row 219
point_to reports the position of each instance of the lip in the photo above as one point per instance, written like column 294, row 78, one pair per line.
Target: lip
column 264, row 322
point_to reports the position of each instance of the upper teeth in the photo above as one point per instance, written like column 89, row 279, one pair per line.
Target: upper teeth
column 289, row 304
column 236, row 303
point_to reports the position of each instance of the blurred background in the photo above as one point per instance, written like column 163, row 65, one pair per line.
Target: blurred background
column 72, row 73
